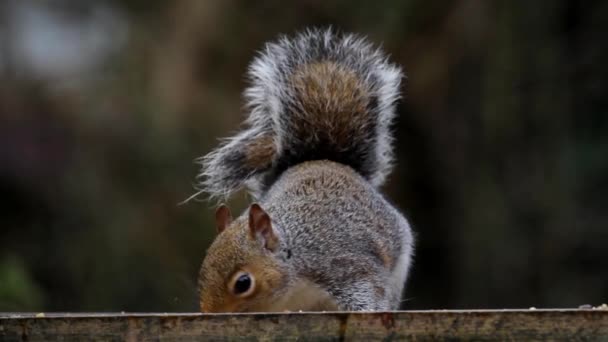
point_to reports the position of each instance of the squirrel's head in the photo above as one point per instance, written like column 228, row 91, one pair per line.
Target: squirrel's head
column 241, row 272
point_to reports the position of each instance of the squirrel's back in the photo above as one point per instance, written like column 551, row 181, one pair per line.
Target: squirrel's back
column 318, row 96
column 334, row 222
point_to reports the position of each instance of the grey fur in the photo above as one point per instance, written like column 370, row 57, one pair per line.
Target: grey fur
column 271, row 102
column 335, row 229
column 340, row 232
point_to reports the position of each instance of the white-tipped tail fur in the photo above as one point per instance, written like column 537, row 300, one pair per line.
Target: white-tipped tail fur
column 318, row 95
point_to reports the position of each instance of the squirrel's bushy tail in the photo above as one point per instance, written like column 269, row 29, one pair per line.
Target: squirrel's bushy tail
column 319, row 95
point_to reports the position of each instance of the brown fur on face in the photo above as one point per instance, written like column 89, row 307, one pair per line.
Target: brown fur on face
column 236, row 250
column 239, row 248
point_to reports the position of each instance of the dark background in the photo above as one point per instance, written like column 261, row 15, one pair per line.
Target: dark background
column 502, row 144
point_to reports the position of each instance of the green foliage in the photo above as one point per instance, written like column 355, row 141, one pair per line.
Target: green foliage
column 18, row 291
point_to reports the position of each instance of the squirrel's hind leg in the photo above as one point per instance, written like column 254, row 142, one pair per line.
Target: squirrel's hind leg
column 363, row 295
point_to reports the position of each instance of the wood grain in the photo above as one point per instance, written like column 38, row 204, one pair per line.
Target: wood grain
column 515, row 325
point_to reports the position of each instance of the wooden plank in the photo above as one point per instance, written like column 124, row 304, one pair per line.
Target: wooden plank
column 571, row 325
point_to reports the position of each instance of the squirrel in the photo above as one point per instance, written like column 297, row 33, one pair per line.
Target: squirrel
column 315, row 148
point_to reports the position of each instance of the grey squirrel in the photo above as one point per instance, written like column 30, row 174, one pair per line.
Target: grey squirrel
column 315, row 150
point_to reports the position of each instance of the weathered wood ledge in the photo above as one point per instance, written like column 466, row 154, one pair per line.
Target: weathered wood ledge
column 553, row 324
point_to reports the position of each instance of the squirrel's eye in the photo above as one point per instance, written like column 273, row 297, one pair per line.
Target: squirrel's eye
column 243, row 284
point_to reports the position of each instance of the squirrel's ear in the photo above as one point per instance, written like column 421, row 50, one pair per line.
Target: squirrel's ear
column 260, row 225
column 223, row 218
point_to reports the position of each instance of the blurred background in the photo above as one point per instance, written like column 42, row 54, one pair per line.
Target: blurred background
column 502, row 144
